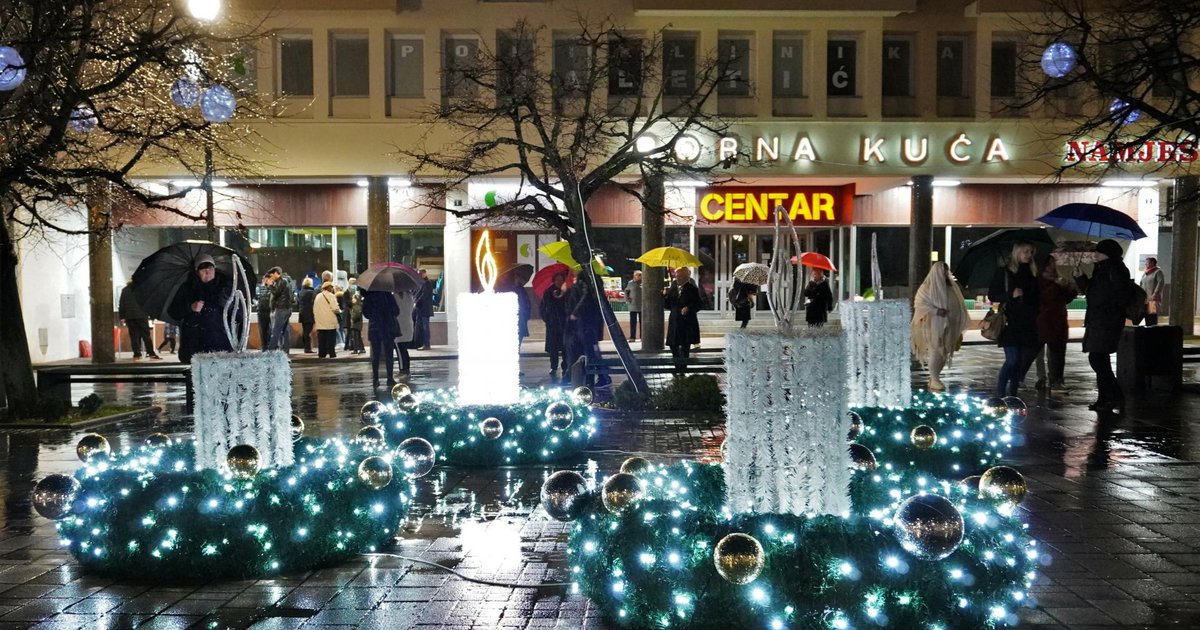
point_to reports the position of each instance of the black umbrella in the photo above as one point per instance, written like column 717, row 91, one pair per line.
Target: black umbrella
column 978, row 264
column 390, row 277
column 517, row 275
column 162, row 273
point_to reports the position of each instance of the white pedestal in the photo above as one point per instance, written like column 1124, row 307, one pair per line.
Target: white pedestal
column 488, row 349
column 243, row 398
column 879, row 365
column 786, row 422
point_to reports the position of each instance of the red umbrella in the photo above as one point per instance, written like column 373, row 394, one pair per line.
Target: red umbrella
column 819, row 261
column 545, row 277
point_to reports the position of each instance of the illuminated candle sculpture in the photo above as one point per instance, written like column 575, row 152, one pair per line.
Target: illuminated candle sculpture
column 488, row 347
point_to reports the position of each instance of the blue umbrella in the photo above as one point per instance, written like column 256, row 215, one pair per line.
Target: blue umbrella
column 1094, row 220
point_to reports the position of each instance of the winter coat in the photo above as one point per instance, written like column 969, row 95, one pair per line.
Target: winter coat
column 203, row 331
column 1053, row 299
column 1152, row 283
column 588, row 325
column 741, row 295
column 326, row 311
column 424, row 303
column 1021, row 313
column 405, row 303
column 128, row 306
column 554, row 313
column 282, row 298
column 1107, row 294
column 356, row 312
column 307, row 295
column 380, row 308
column 683, row 329
column 524, row 309
column 633, row 295
column 820, row 302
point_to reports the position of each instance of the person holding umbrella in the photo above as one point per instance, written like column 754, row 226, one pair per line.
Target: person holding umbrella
column 818, row 298
column 939, row 319
column 381, row 311
column 1015, row 287
column 741, row 296
column 554, row 314
column 683, row 327
column 199, row 309
column 1107, row 295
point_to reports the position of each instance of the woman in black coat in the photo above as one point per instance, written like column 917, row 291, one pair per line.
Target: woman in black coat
column 307, row 295
column 1015, row 286
column 819, row 297
column 554, row 313
column 1108, row 292
column 683, row 327
column 741, row 296
column 380, row 308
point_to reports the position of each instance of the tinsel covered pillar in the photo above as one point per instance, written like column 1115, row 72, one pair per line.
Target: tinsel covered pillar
column 787, row 422
column 878, row 367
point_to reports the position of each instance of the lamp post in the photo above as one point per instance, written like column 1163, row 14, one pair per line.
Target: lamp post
column 207, row 11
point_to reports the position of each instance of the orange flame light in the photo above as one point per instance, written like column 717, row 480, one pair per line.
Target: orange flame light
column 485, row 262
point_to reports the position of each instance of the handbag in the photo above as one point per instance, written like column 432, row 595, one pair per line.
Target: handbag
column 994, row 323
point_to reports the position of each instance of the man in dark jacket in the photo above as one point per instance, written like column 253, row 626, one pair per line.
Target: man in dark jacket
column 1108, row 292
column 263, row 307
column 283, row 299
column 199, row 308
column 137, row 322
column 585, row 328
column 554, row 313
column 683, row 327
column 307, row 296
column 423, row 311
column 381, row 310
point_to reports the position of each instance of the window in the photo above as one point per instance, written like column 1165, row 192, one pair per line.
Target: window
column 842, row 67
column 460, row 54
column 296, row 65
column 407, row 57
column 571, row 65
column 897, row 65
column 951, row 67
column 787, row 66
column 624, row 66
column 1004, row 69
column 679, row 64
column 242, row 73
column 733, row 61
column 348, row 65
column 514, row 66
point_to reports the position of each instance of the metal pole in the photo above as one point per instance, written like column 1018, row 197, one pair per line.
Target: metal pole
column 209, row 215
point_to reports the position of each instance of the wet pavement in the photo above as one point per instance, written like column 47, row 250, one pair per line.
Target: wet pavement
column 1117, row 500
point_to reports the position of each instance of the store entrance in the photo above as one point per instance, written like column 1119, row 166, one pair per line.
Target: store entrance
column 722, row 251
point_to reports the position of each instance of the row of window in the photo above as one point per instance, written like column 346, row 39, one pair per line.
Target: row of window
column 788, row 72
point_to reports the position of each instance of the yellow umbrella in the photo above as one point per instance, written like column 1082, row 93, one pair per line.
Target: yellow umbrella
column 560, row 251
column 669, row 257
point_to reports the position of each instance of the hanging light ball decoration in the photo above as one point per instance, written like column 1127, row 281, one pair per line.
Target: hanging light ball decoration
column 416, row 457
column 620, row 492
column 560, row 416
column 372, row 412
column 158, row 440
column 53, row 495
column 923, row 437
column 491, row 428
column 185, row 92
column 243, row 461
column 583, row 394
column 218, row 104
column 739, row 558
column 375, row 471
column 565, row 495
column 400, row 390
column 862, row 458
column 297, row 428
column 1058, row 60
column 83, row 119
column 637, row 466
column 995, row 406
column 12, row 69
column 1123, row 113
column 370, row 436
column 407, row 402
column 928, row 526
column 91, row 446
column 1004, row 484
column 1015, row 406
column 856, row 426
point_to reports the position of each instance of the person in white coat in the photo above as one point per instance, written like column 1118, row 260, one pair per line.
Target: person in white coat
column 325, row 316
column 939, row 319
column 404, row 323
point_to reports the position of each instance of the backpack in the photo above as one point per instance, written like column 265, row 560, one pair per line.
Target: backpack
column 1135, row 307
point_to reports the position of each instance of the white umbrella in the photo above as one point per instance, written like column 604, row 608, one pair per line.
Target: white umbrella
column 752, row 273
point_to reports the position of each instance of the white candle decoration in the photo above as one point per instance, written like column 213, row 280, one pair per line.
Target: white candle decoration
column 488, row 345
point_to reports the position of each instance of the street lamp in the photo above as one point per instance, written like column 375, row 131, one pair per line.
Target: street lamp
column 204, row 10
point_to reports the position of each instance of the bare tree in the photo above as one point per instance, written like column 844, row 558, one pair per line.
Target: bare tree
column 1129, row 97
column 569, row 117
column 94, row 105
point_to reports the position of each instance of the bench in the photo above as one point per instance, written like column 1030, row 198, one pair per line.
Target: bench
column 650, row 366
column 55, row 381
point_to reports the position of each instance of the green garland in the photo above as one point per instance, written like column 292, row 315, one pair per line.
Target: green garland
column 454, row 429
column 147, row 514
column 652, row 566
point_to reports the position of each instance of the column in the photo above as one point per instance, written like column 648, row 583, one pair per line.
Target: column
column 920, row 234
column 653, row 235
column 1181, row 299
column 456, row 271
column 100, row 270
column 378, row 220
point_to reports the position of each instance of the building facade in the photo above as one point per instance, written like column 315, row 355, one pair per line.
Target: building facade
column 841, row 106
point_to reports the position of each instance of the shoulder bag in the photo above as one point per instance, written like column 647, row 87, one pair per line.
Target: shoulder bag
column 994, row 323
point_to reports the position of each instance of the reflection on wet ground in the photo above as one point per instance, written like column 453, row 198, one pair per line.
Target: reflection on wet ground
column 1117, row 499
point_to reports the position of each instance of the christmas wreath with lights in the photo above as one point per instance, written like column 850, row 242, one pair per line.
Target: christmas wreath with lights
column 544, row 425
column 148, row 513
column 923, row 546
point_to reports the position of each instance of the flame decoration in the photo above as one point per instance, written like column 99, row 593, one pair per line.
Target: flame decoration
column 485, row 262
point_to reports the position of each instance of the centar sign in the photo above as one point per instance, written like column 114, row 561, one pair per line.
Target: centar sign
column 807, row 205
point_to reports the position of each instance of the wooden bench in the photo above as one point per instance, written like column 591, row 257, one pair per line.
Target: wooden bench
column 55, row 381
